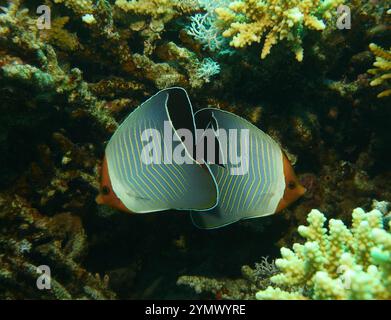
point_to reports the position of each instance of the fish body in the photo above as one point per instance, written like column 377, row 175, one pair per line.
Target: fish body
column 217, row 193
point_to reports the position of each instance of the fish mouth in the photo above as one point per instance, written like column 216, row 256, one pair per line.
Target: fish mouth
column 302, row 191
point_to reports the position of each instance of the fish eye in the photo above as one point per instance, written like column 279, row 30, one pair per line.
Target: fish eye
column 105, row 190
column 291, row 185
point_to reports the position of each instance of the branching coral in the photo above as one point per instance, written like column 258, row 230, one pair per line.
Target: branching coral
column 19, row 30
column 207, row 69
column 60, row 37
column 250, row 21
column 29, row 239
column 108, row 35
column 243, row 288
column 204, row 27
column 382, row 72
column 336, row 263
column 80, row 7
column 198, row 72
column 220, row 288
column 157, row 9
column 151, row 16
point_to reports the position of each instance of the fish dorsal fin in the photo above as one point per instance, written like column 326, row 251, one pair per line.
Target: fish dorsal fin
column 208, row 141
column 245, row 191
column 142, row 154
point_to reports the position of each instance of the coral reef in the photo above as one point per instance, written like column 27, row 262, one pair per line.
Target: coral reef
column 80, row 7
column 49, row 78
column 115, row 25
column 205, row 27
column 382, row 71
column 158, row 12
column 60, row 37
column 65, row 89
column 29, row 240
column 250, row 21
column 336, row 263
column 254, row 279
column 208, row 68
column 321, row 191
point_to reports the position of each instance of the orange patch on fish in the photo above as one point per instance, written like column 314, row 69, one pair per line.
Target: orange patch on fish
column 106, row 194
column 293, row 189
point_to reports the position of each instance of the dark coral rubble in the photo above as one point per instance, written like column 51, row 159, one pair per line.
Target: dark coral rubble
column 65, row 90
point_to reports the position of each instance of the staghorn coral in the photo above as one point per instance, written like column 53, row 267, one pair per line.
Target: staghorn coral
column 162, row 75
column 114, row 87
column 335, row 174
column 249, row 21
column 376, row 10
column 30, row 239
column 109, row 33
column 253, row 279
column 165, row 10
column 20, row 31
column 60, row 37
column 150, row 17
column 80, row 7
column 382, row 72
column 358, row 258
column 336, row 263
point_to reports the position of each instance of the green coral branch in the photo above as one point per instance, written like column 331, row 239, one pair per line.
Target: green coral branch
column 382, row 70
column 336, row 262
column 250, row 21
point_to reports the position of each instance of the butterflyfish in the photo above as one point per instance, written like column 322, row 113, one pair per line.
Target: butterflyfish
column 248, row 176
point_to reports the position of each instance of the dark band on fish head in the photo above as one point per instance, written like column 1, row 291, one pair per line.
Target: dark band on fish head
column 293, row 189
column 106, row 194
